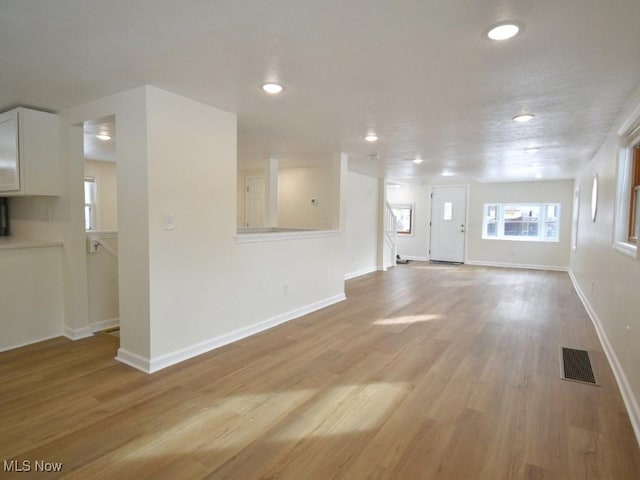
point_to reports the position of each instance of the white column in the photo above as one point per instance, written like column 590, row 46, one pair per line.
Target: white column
column 271, row 193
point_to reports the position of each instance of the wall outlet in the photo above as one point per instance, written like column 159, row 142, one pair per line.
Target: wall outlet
column 286, row 289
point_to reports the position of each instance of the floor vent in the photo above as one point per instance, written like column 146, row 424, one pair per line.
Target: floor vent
column 576, row 366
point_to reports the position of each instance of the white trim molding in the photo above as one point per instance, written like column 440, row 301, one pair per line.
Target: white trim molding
column 105, row 324
column 134, row 360
column 414, row 258
column 30, row 342
column 77, row 333
column 163, row 361
column 283, row 234
column 553, row 268
column 358, row 273
column 629, row 399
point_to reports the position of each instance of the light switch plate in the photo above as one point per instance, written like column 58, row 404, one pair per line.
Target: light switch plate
column 169, row 222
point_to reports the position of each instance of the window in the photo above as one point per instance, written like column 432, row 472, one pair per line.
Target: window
column 520, row 221
column 404, row 218
column 89, row 203
column 627, row 219
column 634, row 204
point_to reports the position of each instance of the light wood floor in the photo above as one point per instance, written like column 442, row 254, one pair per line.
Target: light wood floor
column 425, row 372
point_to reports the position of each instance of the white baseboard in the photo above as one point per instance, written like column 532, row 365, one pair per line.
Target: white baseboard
column 358, row 273
column 78, row 333
column 30, row 342
column 384, row 268
column 414, row 258
column 164, row 361
column 105, row 324
column 134, row 360
column 529, row 266
column 629, row 399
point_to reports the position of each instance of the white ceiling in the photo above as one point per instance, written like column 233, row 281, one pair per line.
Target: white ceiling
column 417, row 72
column 96, row 148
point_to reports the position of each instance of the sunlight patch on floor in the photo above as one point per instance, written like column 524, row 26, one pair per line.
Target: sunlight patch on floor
column 345, row 410
column 228, row 424
column 405, row 320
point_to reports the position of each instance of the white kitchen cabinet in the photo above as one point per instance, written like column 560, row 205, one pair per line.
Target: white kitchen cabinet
column 29, row 153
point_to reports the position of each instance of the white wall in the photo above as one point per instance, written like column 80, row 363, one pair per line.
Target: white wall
column 107, row 193
column 30, row 295
column 192, row 176
column 554, row 255
column 362, row 218
column 206, row 289
column 416, row 245
column 296, row 188
column 608, row 280
column 102, row 283
column 129, row 109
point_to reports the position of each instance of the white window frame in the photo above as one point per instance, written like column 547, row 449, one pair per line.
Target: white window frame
column 500, row 220
column 92, row 206
column 629, row 137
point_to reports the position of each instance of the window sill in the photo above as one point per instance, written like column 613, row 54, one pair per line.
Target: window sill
column 628, row 249
column 523, row 239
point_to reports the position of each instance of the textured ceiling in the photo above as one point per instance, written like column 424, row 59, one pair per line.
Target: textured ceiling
column 418, row 73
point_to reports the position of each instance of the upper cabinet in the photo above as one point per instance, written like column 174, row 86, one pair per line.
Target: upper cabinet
column 29, row 153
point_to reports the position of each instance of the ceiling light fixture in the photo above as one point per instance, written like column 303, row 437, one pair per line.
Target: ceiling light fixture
column 532, row 149
column 104, row 137
column 503, row 31
column 371, row 137
column 447, row 173
column 417, row 160
column 538, row 175
column 272, row 88
column 525, row 117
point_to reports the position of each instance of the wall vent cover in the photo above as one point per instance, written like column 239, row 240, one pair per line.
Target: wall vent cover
column 575, row 366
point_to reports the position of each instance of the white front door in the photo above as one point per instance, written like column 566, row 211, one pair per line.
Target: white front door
column 448, row 218
column 254, row 201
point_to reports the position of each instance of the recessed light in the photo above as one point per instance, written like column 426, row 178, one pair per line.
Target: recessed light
column 538, row 175
column 525, row 117
column 371, row 137
column 103, row 136
column 447, row 173
column 272, row 88
column 417, row 160
column 503, row 31
column 532, row 149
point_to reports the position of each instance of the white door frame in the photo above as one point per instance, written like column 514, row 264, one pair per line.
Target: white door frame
column 466, row 220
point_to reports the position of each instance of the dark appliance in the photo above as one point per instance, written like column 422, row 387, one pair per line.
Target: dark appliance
column 4, row 216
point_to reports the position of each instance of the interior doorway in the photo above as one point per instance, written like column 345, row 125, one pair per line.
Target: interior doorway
column 448, row 223
column 101, row 222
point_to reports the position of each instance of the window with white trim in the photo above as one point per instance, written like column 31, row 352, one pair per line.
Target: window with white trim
column 538, row 222
column 627, row 219
column 89, row 203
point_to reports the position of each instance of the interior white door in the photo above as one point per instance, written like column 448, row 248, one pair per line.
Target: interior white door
column 254, row 201
column 448, row 217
